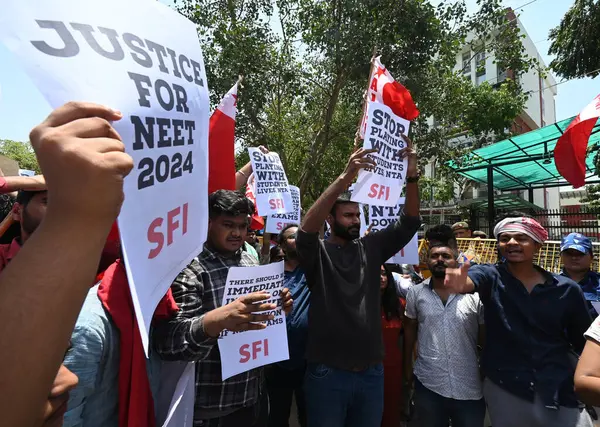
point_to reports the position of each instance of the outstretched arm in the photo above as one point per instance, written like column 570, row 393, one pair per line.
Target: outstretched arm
column 317, row 214
column 457, row 280
column 37, row 319
column 9, row 184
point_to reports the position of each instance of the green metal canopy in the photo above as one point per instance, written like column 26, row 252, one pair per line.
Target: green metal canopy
column 524, row 162
column 501, row 201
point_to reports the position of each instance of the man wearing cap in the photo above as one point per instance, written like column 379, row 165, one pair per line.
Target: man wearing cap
column 535, row 321
column 462, row 230
column 576, row 253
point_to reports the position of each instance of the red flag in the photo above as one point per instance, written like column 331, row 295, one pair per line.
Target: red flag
column 385, row 89
column 257, row 222
column 571, row 148
column 221, row 152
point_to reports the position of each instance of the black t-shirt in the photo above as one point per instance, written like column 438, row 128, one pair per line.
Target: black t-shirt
column 344, row 323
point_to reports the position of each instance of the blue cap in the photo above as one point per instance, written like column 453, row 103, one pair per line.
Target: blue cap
column 578, row 242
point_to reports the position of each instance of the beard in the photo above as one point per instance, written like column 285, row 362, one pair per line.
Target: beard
column 346, row 233
column 28, row 224
column 438, row 271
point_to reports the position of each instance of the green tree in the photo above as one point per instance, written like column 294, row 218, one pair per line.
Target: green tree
column 307, row 64
column 20, row 152
column 575, row 41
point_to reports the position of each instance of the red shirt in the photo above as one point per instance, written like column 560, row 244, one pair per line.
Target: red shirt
column 8, row 252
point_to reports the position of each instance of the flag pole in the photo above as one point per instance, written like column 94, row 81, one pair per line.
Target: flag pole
column 364, row 107
column 6, row 223
column 239, row 81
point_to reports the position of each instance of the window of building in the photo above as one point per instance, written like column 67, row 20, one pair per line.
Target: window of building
column 480, row 63
column 466, row 63
column 479, row 79
column 501, row 76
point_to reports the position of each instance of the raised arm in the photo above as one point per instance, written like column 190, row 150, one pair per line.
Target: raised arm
column 394, row 237
column 52, row 274
column 317, row 214
column 9, row 184
column 242, row 175
column 412, row 206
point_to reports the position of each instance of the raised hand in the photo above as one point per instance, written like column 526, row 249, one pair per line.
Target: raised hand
column 83, row 161
column 409, row 152
column 457, row 279
column 358, row 160
column 286, row 301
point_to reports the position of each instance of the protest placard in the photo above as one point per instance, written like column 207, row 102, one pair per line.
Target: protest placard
column 242, row 351
column 383, row 185
column 126, row 55
column 277, row 222
column 272, row 190
column 382, row 216
column 175, row 400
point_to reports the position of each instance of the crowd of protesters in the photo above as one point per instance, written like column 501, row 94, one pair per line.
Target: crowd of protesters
column 370, row 344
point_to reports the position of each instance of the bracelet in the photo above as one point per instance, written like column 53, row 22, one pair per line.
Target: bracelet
column 242, row 172
column 413, row 179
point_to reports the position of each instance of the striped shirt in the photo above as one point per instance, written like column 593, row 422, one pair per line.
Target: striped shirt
column 197, row 290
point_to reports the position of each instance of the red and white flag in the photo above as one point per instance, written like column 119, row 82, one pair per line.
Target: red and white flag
column 385, row 89
column 256, row 221
column 571, row 149
column 221, row 144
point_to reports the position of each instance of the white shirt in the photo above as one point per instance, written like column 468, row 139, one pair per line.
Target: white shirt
column 447, row 361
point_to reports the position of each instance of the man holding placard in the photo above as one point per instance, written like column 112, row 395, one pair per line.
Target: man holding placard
column 192, row 334
column 344, row 383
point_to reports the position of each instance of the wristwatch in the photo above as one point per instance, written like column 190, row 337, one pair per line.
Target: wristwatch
column 415, row 178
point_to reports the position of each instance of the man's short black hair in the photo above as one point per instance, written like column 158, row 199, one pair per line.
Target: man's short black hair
column 24, row 197
column 342, row 199
column 227, row 202
column 286, row 228
column 441, row 236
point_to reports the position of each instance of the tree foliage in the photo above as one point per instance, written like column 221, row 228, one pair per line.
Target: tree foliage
column 307, row 64
column 575, row 41
column 20, row 152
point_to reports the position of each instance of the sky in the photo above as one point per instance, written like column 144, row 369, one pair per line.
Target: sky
column 22, row 106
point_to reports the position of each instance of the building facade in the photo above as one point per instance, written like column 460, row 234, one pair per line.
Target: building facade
column 540, row 109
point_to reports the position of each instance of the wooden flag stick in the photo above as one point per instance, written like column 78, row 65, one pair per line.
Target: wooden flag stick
column 364, row 107
column 6, row 223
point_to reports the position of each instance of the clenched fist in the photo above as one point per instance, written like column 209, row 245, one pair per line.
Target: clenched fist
column 83, row 161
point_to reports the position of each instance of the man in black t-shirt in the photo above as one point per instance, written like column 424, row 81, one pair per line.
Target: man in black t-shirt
column 344, row 383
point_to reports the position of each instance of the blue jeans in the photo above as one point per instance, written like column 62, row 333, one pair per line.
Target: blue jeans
column 338, row 398
column 434, row 410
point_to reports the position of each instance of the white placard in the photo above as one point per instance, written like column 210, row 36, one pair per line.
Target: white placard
column 272, row 190
column 127, row 56
column 382, row 216
column 383, row 185
column 277, row 222
column 175, row 400
column 242, row 351
column 409, row 254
